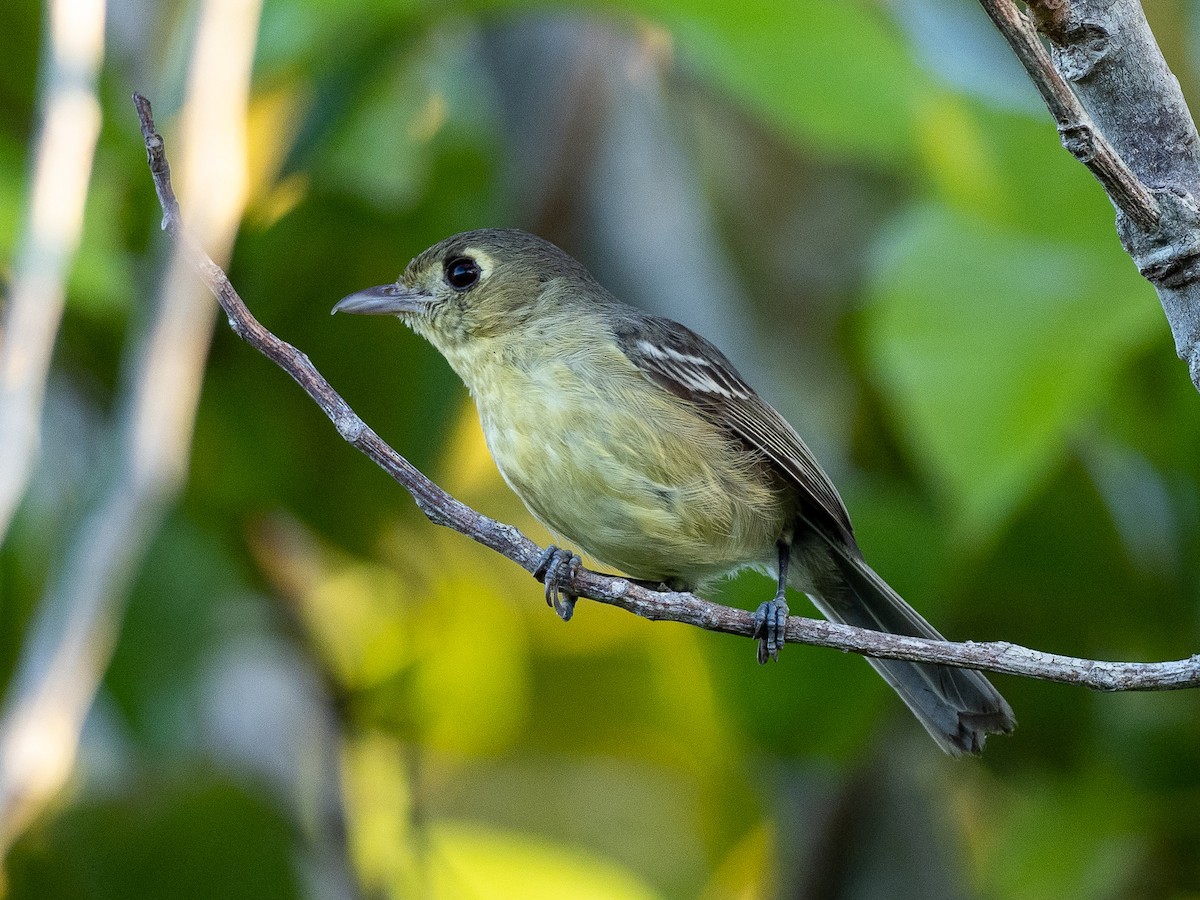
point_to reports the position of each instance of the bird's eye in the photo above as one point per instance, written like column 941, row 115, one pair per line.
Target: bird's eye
column 462, row 272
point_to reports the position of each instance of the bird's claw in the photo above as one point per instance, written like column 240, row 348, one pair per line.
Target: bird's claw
column 770, row 625
column 555, row 567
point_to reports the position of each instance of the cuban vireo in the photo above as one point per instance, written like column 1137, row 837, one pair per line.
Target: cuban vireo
column 638, row 441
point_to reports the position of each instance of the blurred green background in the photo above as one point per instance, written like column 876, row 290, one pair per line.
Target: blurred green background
column 316, row 693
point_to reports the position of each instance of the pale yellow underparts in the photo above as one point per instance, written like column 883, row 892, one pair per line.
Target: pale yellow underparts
column 610, row 464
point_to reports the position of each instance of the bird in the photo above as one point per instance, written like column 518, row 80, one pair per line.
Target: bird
column 635, row 439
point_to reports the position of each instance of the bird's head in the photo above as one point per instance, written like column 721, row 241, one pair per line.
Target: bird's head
column 475, row 285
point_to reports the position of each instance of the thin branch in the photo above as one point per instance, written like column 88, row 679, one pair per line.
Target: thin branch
column 1120, row 111
column 443, row 509
column 1076, row 129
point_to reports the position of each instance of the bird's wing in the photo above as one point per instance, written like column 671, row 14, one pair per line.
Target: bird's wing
column 690, row 367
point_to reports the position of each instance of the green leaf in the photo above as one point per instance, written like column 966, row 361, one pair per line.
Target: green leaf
column 1010, row 170
column 992, row 347
column 832, row 75
column 470, row 861
column 384, row 150
column 1046, row 838
column 195, row 838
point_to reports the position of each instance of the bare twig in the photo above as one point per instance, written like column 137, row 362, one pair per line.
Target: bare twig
column 1075, row 128
column 443, row 509
column 1120, row 111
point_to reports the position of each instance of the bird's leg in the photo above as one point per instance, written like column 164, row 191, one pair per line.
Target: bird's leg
column 770, row 619
column 554, row 567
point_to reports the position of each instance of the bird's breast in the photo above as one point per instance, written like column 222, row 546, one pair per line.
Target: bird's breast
column 621, row 468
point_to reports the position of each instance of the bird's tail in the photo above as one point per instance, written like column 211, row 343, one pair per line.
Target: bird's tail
column 958, row 707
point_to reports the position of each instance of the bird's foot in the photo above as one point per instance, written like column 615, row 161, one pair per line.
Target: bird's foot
column 770, row 624
column 555, row 567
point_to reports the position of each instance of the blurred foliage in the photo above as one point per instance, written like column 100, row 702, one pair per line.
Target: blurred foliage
column 318, row 693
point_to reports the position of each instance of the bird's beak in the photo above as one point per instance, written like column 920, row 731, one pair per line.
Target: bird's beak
column 385, row 300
